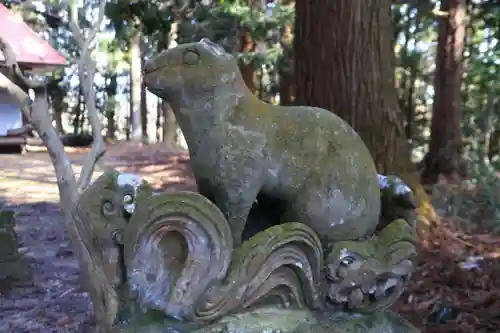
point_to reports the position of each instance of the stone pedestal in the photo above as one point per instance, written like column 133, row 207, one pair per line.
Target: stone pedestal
column 274, row 320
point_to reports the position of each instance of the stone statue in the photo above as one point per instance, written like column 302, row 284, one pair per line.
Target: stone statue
column 332, row 235
column 12, row 265
column 305, row 162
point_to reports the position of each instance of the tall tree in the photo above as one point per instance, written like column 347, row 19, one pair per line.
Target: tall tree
column 135, row 86
column 343, row 63
column 445, row 147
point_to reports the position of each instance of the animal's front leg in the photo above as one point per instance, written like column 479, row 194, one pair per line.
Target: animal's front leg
column 235, row 203
column 236, row 176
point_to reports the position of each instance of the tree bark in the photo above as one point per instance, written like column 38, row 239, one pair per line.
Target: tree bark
column 111, row 90
column 445, row 147
column 344, row 63
column 247, row 45
column 286, row 84
column 144, row 102
column 135, row 88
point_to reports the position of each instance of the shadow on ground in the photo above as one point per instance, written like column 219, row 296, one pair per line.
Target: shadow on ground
column 51, row 301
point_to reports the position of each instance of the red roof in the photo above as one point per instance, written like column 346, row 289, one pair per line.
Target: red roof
column 28, row 46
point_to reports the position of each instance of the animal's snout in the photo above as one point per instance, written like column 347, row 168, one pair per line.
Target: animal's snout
column 149, row 67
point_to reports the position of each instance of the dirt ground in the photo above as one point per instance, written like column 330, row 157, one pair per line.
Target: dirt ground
column 456, row 287
column 51, row 301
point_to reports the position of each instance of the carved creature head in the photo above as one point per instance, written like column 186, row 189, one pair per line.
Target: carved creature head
column 365, row 276
column 189, row 69
column 108, row 203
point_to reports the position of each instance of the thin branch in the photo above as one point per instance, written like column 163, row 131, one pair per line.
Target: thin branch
column 23, row 130
column 74, row 23
column 97, row 149
column 22, row 98
column 440, row 13
column 12, row 66
column 85, row 43
column 86, row 72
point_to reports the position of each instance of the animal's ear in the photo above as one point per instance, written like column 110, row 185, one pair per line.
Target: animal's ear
column 208, row 42
column 214, row 48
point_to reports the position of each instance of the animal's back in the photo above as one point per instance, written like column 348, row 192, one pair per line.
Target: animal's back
column 326, row 170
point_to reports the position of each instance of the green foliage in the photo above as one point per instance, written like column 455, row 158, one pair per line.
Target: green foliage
column 474, row 205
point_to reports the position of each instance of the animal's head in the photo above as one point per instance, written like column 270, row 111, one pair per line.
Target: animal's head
column 189, row 69
column 109, row 202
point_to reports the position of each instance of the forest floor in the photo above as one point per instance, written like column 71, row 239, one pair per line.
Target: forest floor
column 456, row 287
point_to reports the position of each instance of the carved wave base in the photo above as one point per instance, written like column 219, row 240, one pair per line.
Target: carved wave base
column 275, row 320
column 176, row 259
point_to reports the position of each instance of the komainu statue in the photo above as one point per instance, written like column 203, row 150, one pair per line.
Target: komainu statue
column 292, row 229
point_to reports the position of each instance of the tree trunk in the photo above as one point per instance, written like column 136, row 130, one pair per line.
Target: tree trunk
column 144, row 114
column 158, row 121
column 445, row 147
column 78, row 112
column 135, row 88
column 344, row 63
column 144, row 102
column 286, row 84
column 111, row 90
column 57, row 112
column 247, row 45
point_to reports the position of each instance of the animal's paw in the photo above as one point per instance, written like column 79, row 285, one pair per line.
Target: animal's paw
column 397, row 201
column 394, row 183
column 129, row 184
column 365, row 276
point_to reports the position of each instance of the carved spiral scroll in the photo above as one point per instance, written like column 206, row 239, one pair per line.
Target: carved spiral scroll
column 180, row 260
column 283, row 261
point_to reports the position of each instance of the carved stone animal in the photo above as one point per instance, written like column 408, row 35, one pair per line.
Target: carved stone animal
column 305, row 163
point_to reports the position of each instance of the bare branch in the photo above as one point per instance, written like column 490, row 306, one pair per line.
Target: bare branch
column 86, row 72
column 74, row 23
column 14, row 71
column 84, row 43
column 440, row 13
column 20, row 95
column 98, row 149
column 20, row 131
column 97, row 25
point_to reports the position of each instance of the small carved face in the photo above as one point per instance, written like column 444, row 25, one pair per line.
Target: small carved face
column 108, row 202
column 364, row 276
column 189, row 69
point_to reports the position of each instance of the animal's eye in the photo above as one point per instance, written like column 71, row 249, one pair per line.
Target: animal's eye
column 108, row 208
column 128, row 199
column 190, row 58
column 347, row 260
